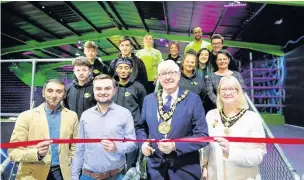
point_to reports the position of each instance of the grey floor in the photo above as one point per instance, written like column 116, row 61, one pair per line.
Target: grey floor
column 294, row 153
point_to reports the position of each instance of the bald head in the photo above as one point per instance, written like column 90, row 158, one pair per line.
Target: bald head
column 197, row 33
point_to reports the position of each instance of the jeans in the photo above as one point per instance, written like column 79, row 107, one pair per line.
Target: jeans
column 55, row 175
column 118, row 176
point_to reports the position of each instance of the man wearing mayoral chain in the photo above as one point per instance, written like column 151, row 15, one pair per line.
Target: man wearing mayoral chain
column 169, row 114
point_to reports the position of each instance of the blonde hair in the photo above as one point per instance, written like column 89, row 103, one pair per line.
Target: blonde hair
column 241, row 100
column 90, row 44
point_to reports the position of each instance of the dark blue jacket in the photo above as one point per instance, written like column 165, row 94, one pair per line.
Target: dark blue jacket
column 188, row 121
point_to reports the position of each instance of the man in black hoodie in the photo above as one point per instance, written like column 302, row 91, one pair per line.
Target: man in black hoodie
column 79, row 93
column 139, row 72
column 129, row 94
column 90, row 50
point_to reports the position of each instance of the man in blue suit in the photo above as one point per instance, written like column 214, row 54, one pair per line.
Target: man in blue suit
column 172, row 113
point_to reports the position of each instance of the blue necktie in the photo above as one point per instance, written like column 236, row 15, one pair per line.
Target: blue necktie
column 167, row 105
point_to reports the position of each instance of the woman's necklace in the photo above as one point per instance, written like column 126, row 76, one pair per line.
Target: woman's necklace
column 229, row 121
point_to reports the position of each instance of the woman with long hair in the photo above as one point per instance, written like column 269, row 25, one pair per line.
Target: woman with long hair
column 189, row 77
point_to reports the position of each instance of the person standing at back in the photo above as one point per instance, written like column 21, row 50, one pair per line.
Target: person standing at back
column 151, row 58
column 139, row 72
column 174, row 53
column 80, row 95
column 90, row 51
column 217, row 43
column 198, row 42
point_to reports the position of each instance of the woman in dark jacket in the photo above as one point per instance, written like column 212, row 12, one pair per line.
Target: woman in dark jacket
column 189, row 76
column 204, row 70
column 222, row 60
column 174, row 53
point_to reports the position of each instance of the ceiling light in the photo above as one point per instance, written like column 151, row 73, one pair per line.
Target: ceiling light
column 279, row 22
column 235, row 4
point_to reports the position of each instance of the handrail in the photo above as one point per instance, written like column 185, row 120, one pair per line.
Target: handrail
column 295, row 175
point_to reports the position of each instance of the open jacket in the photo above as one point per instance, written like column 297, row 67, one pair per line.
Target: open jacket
column 33, row 125
column 244, row 158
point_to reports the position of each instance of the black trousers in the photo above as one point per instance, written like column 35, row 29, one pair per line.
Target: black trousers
column 55, row 173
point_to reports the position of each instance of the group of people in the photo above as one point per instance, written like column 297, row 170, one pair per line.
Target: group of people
column 201, row 95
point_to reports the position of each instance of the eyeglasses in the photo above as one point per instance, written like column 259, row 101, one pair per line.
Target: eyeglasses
column 230, row 90
column 174, row 73
column 216, row 44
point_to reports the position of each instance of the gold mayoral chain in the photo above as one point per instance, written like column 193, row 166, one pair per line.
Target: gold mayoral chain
column 165, row 127
column 229, row 121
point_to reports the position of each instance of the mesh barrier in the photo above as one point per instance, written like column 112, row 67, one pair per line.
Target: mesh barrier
column 51, row 70
column 273, row 167
column 15, row 94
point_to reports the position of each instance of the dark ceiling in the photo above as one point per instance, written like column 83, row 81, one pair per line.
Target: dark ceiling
column 30, row 23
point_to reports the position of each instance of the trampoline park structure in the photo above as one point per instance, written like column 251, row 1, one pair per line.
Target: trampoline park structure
column 42, row 51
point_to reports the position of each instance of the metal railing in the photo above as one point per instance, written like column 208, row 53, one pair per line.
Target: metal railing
column 275, row 165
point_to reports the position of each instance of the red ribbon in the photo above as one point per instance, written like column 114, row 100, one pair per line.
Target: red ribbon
column 189, row 140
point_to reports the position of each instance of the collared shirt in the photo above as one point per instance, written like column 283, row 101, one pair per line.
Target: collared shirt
column 54, row 120
column 116, row 122
column 174, row 98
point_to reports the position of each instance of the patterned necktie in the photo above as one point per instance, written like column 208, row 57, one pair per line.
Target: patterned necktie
column 167, row 105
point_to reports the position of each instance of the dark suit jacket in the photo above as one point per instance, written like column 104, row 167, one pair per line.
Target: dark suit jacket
column 188, row 121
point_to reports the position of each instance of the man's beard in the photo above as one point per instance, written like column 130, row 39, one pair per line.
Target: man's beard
column 200, row 37
column 105, row 102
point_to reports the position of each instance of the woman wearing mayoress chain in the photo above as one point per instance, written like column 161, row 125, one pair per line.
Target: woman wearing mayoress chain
column 229, row 160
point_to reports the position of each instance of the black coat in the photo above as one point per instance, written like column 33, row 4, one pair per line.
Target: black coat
column 99, row 68
column 139, row 72
column 130, row 96
column 79, row 98
column 232, row 64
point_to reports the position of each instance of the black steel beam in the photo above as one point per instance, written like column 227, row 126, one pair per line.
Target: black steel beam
column 141, row 15
column 17, row 30
column 247, row 22
column 166, row 16
column 113, row 44
column 109, row 15
column 219, row 21
column 38, row 39
column 73, row 8
column 99, row 48
column 190, row 27
column 33, row 23
column 136, row 43
column 124, row 25
column 64, row 51
column 58, row 20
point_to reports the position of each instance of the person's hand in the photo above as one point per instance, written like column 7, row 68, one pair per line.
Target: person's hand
column 146, row 149
column 108, row 146
column 43, row 147
column 204, row 173
column 166, row 147
column 224, row 144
